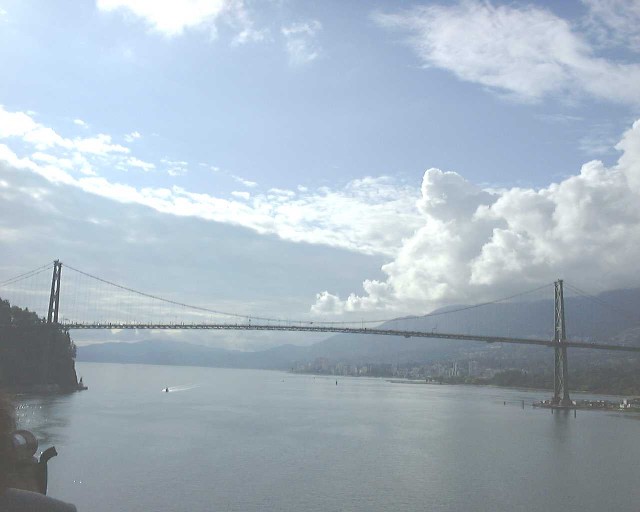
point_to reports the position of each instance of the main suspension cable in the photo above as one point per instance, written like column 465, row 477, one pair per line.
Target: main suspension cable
column 309, row 322
column 26, row 275
column 603, row 302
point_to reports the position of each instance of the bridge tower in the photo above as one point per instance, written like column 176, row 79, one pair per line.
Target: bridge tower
column 560, row 370
column 54, row 298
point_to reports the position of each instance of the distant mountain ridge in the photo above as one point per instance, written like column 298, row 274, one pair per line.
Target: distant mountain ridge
column 586, row 319
column 189, row 354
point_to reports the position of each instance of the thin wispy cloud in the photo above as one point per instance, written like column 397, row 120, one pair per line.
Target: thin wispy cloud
column 130, row 137
column 526, row 52
column 301, row 42
column 615, row 22
column 175, row 167
column 370, row 215
column 243, row 181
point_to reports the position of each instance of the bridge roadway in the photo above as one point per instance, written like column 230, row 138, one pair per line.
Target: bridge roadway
column 348, row 330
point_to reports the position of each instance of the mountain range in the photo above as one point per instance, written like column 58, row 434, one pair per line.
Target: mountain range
column 609, row 317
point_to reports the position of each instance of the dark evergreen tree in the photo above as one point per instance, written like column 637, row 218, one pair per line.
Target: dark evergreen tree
column 34, row 353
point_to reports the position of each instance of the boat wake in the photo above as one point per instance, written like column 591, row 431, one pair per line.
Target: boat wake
column 185, row 387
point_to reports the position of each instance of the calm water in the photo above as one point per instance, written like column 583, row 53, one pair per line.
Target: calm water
column 258, row 441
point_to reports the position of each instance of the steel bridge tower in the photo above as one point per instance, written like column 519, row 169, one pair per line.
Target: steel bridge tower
column 560, row 370
column 54, row 298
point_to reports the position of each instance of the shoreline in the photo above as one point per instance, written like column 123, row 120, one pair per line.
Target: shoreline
column 497, row 386
column 388, row 379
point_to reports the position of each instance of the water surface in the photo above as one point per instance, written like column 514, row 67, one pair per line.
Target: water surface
column 257, row 441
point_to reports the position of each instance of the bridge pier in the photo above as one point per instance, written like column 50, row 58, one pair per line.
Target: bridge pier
column 560, row 369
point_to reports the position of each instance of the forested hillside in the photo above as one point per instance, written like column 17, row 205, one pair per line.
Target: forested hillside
column 34, row 355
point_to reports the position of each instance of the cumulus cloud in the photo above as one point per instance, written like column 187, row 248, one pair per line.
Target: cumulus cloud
column 300, row 42
column 81, row 123
column 524, row 51
column 326, row 304
column 168, row 18
column 172, row 18
column 475, row 245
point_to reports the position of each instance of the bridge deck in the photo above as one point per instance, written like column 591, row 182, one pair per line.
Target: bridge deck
column 349, row 330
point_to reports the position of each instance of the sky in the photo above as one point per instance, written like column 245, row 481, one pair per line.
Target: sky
column 322, row 160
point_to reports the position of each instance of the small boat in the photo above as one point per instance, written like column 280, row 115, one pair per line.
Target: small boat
column 166, row 390
column 80, row 386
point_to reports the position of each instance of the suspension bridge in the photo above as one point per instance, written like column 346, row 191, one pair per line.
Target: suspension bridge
column 97, row 303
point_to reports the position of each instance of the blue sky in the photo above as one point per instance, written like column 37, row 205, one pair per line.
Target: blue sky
column 366, row 157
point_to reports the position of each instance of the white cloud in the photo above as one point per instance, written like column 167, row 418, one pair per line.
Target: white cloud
column 167, row 17
column 130, row 137
column 140, row 164
column 101, row 144
column 241, row 21
column 173, row 18
column 300, row 42
column 175, row 168
column 370, row 215
column 80, row 155
column 310, row 28
column 242, row 181
column 473, row 245
column 81, row 123
column 281, row 192
column 21, row 125
column 326, row 304
column 524, row 51
column 615, row 22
